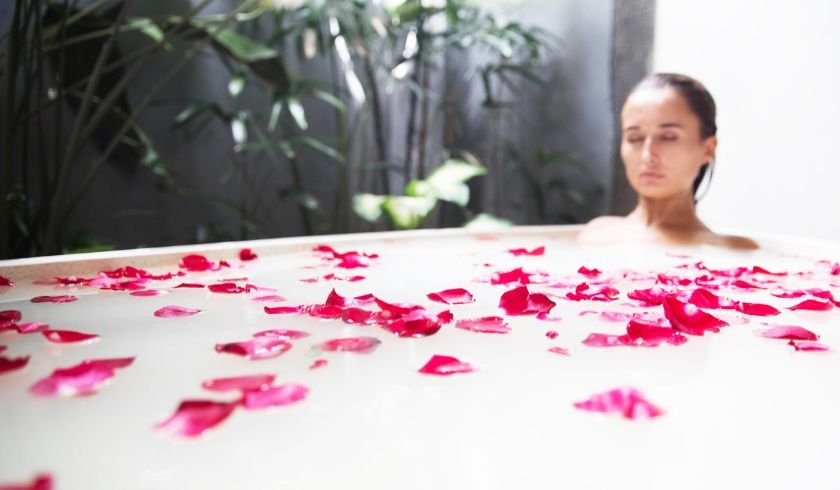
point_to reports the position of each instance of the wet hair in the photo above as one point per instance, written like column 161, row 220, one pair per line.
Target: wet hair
column 701, row 103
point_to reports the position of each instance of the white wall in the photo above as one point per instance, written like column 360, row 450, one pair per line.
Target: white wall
column 773, row 69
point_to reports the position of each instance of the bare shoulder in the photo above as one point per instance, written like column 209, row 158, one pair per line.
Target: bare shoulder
column 739, row 242
column 600, row 229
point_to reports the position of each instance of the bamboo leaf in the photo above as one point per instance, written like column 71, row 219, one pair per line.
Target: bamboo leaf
column 297, row 112
column 147, row 27
column 276, row 110
column 487, row 222
column 236, row 84
column 320, row 146
column 239, row 131
column 408, row 212
column 368, row 206
column 242, row 47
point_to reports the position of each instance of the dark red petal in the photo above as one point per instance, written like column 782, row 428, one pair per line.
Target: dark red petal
column 326, row 312
column 688, row 318
column 457, row 296
column 318, row 363
column 10, row 316
column 189, row 285
column 361, row 345
column 3, row 348
column 284, row 310
column 524, row 251
column 809, row 346
column 246, row 254
column 275, row 396
column 271, row 297
column 591, row 273
column 225, row 288
column 487, row 324
column 515, row 301
column 445, row 366
column 559, row 350
column 813, row 305
column 71, row 281
column 239, row 383
column 175, row 311
column 397, row 309
column 54, row 299
column 193, row 417
column 282, row 334
column 539, row 303
column 41, row 482
column 8, row 364
column 761, row 270
column 335, row 299
column 358, row 316
column 650, row 333
column 5, row 281
column 788, row 294
column 256, row 348
column 789, row 332
column 756, row 309
column 445, row 317
column 740, row 283
column 149, row 292
column 627, row 401
column 704, row 298
column 418, row 323
column 552, row 334
column 651, row 296
column 31, row 327
column 112, row 363
column 67, row 336
column 196, row 263
column 518, row 276
column 82, row 379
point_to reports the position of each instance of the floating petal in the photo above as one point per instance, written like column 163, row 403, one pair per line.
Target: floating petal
column 789, row 332
column 282, row 334
column 175, row 311
column 8, row 364
column 67, row 298
column 257, row 348
column 457, row 296
column 193, row 417
column 68, row 336
column 361, row 345
column 487, row 324
column 239, row 383
column 246, row 254
column 524, row 251
column 629, row 402
column 445, row 366
column 274, row 396
column 690, row 319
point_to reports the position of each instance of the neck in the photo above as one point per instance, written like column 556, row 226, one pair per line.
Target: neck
column 676, row 213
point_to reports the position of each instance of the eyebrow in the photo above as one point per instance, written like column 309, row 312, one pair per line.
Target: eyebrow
column 664, row 125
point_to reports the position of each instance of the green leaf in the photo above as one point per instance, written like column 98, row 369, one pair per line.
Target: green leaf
column 239, row 130
column 408, row 212
column 241, row 47
column 330, row 99
column 297, row 112
column 147, row 27
column 487, row 222
column 276, row 110
column 236, row 84
column 368, row 206
column 304, row 199
column 447, row 181
column 409, row 11
column 321, row 147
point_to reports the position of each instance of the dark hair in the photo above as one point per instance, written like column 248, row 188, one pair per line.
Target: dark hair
column 699, row 100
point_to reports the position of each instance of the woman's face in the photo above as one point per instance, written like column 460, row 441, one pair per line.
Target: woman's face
column 661, row 145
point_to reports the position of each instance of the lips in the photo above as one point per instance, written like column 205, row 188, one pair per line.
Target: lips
column 652, row 175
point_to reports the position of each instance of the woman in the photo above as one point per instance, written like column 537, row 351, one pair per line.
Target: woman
column 668, row 143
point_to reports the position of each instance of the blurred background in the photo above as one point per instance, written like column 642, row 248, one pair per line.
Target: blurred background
column 148, row 123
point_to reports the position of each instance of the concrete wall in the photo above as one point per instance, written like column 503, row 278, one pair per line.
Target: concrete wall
column 772, row 68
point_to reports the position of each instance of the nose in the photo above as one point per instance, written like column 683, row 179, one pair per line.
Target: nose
column 650, row 154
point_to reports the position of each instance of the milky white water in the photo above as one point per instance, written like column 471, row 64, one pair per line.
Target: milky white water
column 741, row 411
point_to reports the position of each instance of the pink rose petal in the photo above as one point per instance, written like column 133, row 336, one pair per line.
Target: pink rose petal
column 518, row 276
column 68, row 336
column 756, row 309
column 457, row 296
column 559, row 350
column 239, row 383
column 8, row 364
column 267, row 298
column 653, row 334
column 193, row 417
column 72, row 281
column 445, row 317
column 149, row 292
column 81, row 379
column 590, row 273
column 189, row 285
column 3, row 348
column 703, row 298
column 487, row 324
column 282, row 334
column 318, row 363
column 788, row 294
column 5, row 281
column 552, row 334
column 256, row 348
column 445, row 366
column 175, row 311
column 789, row 332
column 284, row 310
column 629, row 402
column 197, row 263
column 326, row 312
column 358, row 316
column 275, row 396
column 584, row 292
column 688, row 318
column 346, row 260
column 226, row 288
column 31, row 327
column 54, row 299
column 41, row 482
column 417, row 323
column 524, row 251
column 515, row 301
column 246, row 254
column 808, row 346
column 361, row 345
column 605, row 340
column 10, row 316
column 813, row 305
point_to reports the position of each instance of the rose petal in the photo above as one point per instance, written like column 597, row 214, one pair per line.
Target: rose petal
column 82, row 379
column 457, row 296
column 487, row 324
column 788, row 294
column 813, row 305
column 275, row 396
column 3, row 348
column 256, row 348
column 246, row 255
column 326, row 312
column 175, row 311
column 688, row 318
column 703, row 298
column 54, row 299
column 515, row 301
column 808, row 346
column 149, row 292
column 518, row 276
column 335, row 299
column 5, row 281
column 583, row 292
column 741, row 284
column 193, row 417
column 396, row 309
column 8, row 364
column 318, row 363
column 552, row 334
column 445, row 317
column 789, row 332
column 445, row 366
column 239, row 383
column 189, row 285
column 590, row 273
column 71, row 281
column 559, row 350
column 226, row 288
column 605, row 340
column 10, row 316
column 41, row 482
column 67, row 336
column 358, row 316
column 284, row 310
column 524, row 251
column 346, row 260
column 627, row 401
column 31, row 327
column 653, row 334
column 197, row 263
column 361, row 345
column 756, row 309
column 417, row 323
column 282, row 334
column 271, row 297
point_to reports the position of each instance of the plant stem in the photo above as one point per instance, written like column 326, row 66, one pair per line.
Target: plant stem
column 424, row 121
column 412, row 102
column 8, row 130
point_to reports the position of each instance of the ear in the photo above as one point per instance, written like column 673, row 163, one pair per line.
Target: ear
column 710, row 147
